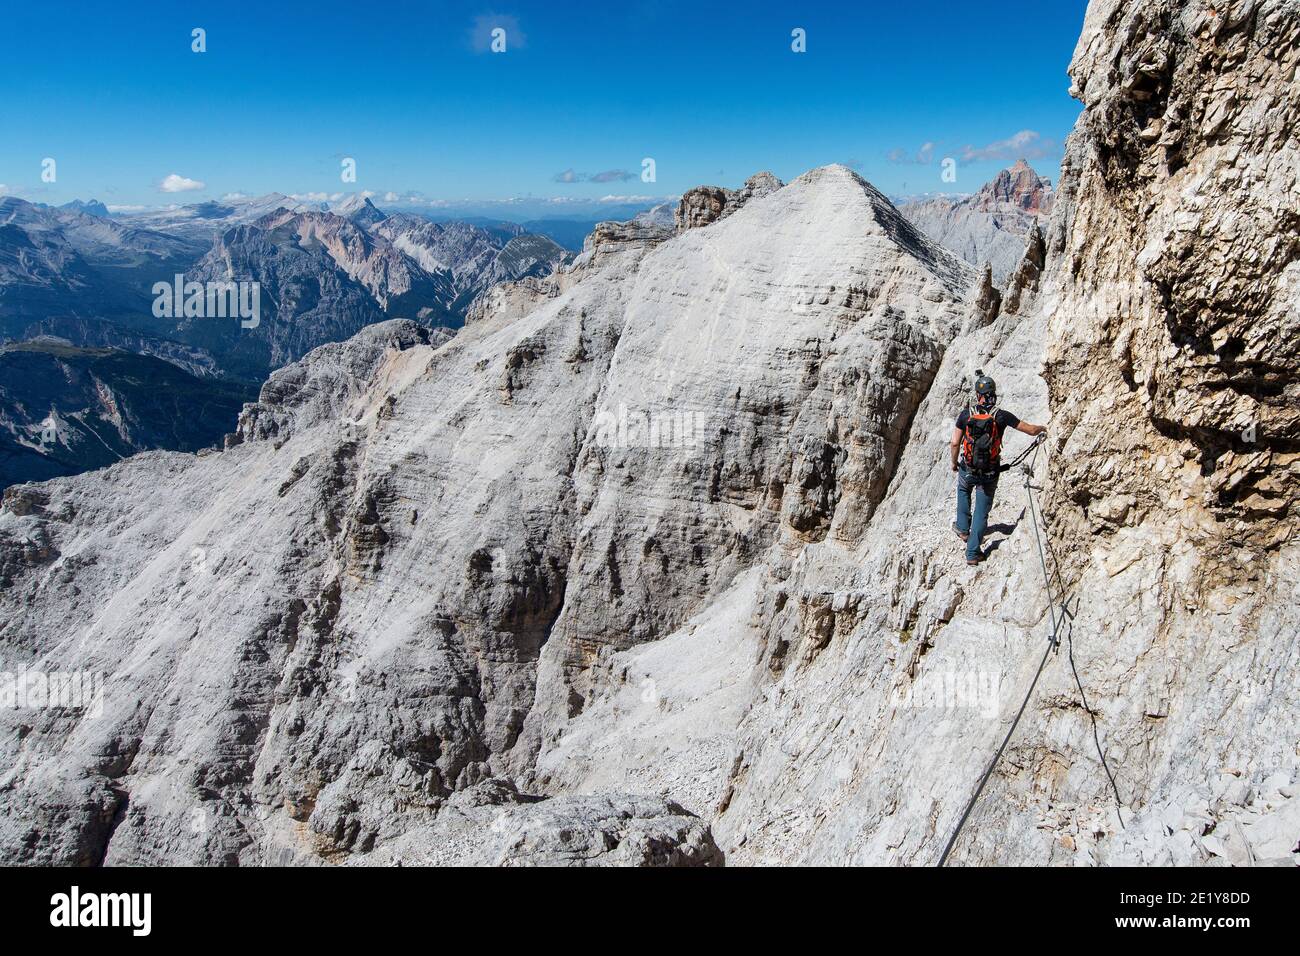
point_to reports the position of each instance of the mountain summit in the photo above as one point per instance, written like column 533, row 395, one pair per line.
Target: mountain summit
column 359, row 209
column 992, row 225
column 1019, row 187
column 93, row 207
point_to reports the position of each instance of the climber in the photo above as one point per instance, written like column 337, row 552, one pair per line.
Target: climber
column 978, row 437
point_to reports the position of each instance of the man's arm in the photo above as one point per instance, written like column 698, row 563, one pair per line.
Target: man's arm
column 954, row 445
column 1029, row 429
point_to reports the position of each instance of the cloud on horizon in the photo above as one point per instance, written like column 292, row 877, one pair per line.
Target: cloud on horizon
column 608, row 176
column 921, row 157
column 1027, row 144
column 175, row 183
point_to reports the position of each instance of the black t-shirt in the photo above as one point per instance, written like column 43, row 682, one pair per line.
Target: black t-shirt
column 1003, row 417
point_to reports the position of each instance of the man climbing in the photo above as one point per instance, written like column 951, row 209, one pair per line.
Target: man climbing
column 978, row 437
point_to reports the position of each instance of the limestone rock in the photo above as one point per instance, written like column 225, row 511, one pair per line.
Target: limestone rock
column 393, row 585
column 491, row 824
column 705, row 204
column 701, row 206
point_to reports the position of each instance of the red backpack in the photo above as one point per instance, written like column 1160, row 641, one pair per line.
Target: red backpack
column 981, row 443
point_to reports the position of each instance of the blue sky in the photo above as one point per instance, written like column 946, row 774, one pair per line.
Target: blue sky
column 582, row 94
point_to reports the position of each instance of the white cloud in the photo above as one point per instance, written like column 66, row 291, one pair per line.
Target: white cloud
column 921, row 157
column 571, row 175
column 317, row 197
column 231, row 197
column 1026, row 144
column 175, row 183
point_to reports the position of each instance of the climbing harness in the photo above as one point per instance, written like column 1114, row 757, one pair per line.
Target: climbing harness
column 1053, row 643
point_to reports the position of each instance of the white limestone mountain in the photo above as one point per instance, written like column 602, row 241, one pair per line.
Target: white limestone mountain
column 359, row 209
column 991, row 226
column 444, row 521
column 652, row 561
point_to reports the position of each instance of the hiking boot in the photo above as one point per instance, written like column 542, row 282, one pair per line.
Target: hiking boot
column 979, row 558
column 961, row 534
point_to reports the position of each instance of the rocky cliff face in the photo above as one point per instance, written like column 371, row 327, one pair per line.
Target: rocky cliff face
column 651, row 563
column 1178, row 312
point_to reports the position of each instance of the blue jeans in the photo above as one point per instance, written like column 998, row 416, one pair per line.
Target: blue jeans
column 983, row 487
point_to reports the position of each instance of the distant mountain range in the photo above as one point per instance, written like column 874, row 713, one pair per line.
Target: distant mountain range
column 991, row 225
column 323, row 274
column 69, row 260
column 566, row 222
column 90, row 347
column 93, row 206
